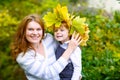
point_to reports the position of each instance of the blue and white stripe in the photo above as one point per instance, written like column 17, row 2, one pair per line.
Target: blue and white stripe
column 40, row 68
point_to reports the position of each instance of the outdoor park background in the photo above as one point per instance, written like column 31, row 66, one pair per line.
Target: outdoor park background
column 100, row 58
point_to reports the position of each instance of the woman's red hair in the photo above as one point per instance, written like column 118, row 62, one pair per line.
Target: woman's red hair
column 20, row 44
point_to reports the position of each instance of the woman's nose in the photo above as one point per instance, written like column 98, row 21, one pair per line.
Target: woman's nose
column 35, row 32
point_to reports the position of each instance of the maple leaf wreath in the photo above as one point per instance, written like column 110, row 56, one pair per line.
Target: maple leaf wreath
column 75, row 23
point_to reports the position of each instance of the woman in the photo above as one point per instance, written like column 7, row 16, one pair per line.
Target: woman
column 35, row 51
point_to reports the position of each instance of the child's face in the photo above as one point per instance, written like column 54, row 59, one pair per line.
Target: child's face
column 61, row 34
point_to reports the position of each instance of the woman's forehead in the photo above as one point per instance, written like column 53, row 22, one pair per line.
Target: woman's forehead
column 33, row 24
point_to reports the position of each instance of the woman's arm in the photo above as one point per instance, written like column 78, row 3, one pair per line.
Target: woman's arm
column 39, row 67
column 74, row 42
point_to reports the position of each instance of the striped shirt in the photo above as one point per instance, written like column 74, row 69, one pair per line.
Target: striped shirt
column 39, row 67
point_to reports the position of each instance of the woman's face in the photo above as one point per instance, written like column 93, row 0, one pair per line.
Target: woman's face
column 34, row 32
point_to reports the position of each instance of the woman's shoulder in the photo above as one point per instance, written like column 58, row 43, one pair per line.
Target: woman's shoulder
column 50, row 40
column 23, row 56
column 48, row 37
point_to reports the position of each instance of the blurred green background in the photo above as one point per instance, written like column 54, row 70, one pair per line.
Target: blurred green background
column 100, row 58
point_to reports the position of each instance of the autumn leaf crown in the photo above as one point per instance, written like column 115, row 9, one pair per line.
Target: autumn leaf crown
column 77, row 24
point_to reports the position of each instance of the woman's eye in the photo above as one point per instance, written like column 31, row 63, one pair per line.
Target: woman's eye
column 39, row 29
column 30, row 29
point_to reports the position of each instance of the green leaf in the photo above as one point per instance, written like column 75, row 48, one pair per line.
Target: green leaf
column 50, row 19
column 78, row 24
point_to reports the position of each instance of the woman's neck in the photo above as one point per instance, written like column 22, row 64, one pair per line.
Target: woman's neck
column 39, row 48
column 36, row 46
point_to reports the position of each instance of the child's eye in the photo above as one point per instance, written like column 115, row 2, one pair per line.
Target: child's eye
column 62, row 30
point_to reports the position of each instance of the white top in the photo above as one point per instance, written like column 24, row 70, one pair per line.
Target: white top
column 40, row 68
column 75, row 58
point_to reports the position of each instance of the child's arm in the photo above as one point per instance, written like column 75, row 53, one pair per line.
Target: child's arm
column 77, row 64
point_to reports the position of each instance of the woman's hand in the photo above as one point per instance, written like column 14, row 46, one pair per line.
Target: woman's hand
column 75, row 41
